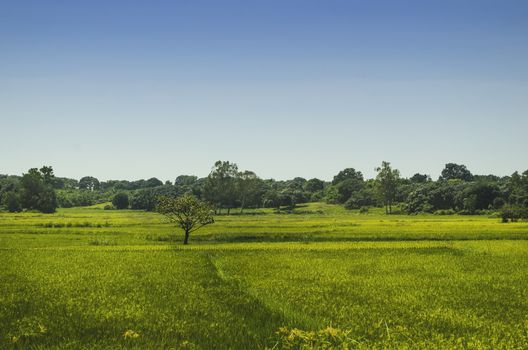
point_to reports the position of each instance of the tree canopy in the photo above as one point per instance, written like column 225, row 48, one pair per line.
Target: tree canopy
column 188, row 212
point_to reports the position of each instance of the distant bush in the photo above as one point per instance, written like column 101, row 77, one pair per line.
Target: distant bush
column 73, row 224
column 514, row 214
column 76, row 198
column 445, row 212
column 120, row 201
column 351, row 204
column 100, row 242
column 364, row 210
column 109, row 207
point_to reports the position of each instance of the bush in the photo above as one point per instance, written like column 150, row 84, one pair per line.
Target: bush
column 102, row 242
column 108, row 207
column 76, row 198
column 445, row 212
column 363, row 210
column 514, row 214
column 120, row 201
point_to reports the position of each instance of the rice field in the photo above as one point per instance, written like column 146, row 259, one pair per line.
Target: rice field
column 321, row 277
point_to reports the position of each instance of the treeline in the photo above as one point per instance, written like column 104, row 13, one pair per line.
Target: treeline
column 227, row 187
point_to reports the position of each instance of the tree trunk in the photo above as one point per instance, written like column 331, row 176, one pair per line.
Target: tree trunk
column 186, row 239
column 228, row 210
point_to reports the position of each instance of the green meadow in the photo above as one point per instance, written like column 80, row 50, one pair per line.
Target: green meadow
column 318, row 277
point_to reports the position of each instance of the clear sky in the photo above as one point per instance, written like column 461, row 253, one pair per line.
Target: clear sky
column 135, row 89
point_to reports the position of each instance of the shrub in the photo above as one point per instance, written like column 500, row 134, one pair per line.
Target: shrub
column 445, row 212
column 120, row 201
column 514, row 214
column 102, row 242
column 363, row 210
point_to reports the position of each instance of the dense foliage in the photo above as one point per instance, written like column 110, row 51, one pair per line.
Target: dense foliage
column 457, row 190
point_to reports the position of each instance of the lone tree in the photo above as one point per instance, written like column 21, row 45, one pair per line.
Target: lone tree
column 387, row 183
column 188, row 212
column 121, row 201
column 453, row 171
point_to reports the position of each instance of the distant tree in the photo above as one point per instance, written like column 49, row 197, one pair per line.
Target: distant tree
column 10, row 191
column 185, row 180
column 189, row 184
column 446, row 195
column 143, row 199
column 454, row 171
column 248, row 184
column 331, row 195
column 419, row 199
column 498, row 203
column 360, row 199
column 220, row 186
column 120, row 201
column 420, row 178
column 47, row 175
column 188, row 212
column 12, row 202
column 290, row 196
column 347, row 188
column 37, row 190
column 516, row 188
column 314, row 185
column 65, row 183
column 89, row 183
column 297, row 183
column 271, row 199
column 344, row 184
column 479, row 195
column 387, row 182
column 47, row 201
column 348, row 174
column 153, row 182
column 32, row 186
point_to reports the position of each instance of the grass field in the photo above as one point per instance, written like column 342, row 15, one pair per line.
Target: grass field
column 86, row 278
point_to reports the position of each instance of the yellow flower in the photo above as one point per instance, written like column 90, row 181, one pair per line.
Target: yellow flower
column 334, row 332
column 130, row 334
column 42, row 328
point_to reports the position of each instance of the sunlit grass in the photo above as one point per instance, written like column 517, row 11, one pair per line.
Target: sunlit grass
column 103, row 279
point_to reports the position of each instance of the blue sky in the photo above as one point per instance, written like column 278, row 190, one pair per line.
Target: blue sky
column 135, row 89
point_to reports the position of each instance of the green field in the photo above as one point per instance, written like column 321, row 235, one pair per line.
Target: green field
column 87, row 278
